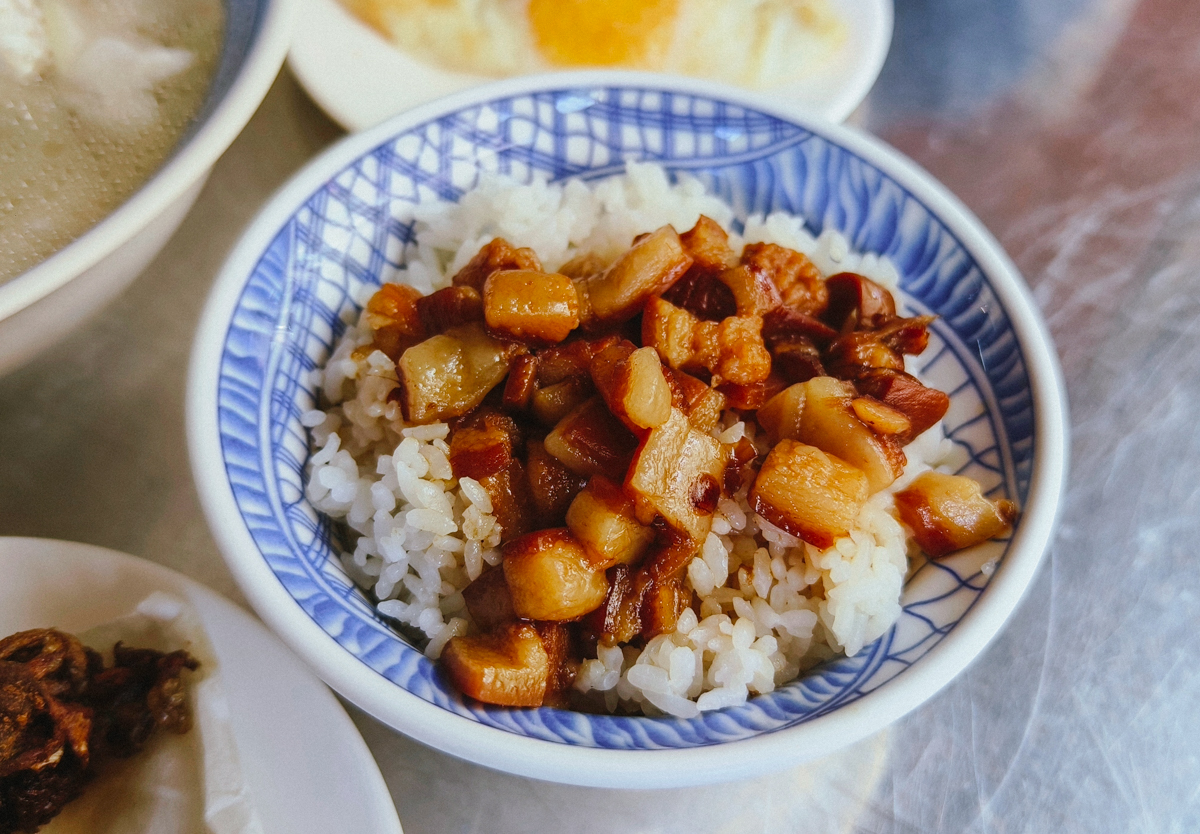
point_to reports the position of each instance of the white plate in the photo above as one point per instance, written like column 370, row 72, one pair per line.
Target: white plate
column 359, row 79
column 309, row 769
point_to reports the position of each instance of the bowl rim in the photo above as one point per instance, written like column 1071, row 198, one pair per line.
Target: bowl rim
column 185, row 165
column 597, row 767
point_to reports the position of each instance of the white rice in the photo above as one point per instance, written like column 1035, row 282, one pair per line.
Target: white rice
column 770, row 605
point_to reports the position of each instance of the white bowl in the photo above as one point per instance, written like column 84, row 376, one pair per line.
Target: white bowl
column 341, row 226
column 46, row 302
column 360, row 79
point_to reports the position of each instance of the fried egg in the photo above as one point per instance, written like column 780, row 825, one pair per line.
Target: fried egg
column 755, row 43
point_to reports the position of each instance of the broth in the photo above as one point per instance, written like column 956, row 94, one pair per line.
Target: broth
column 94, row 94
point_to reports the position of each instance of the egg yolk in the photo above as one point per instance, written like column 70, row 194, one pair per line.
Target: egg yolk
column 603, row 32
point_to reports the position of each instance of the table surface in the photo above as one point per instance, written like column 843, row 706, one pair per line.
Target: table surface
column 1072, row 128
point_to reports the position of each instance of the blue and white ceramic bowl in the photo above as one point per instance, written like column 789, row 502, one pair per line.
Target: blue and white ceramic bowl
column 288, row 288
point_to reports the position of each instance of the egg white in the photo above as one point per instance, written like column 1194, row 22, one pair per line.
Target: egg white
column 754, row 43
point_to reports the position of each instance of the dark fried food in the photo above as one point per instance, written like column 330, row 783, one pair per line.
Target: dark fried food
column 43, row 748
column 30, row 799
column 141, row 693
column 58, row 660
column 62, row 712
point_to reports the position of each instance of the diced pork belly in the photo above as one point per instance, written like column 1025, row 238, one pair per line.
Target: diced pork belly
column 449, row 307
column 509, row 668
column 561, row 660
column 701, row 404
column 662, row 603
column 670, row 330
column 603, row 506
column 950, row 512
column 602, row 518
column 732, row 348
column 449, row 374
column 859, row 351
column 800, row 283
column 521, row 384
column 483, row 445
column 488, row 601
column 631, row 381
column 498, row 254
column 392, row 313
column 752, row 396
column 551, row 403
column 530, row 306
column 647, row 268
column 551, row 577
column 571, row 358
column 797, row 360
column 703, row 295
column 674, row 475
column 829, row 422
column 754, row 293
column 619, row 617
column 708, row 245
column 591, row 441
column 512, row 504
column 786, row 324
column 552, row 485
column 922, row 405
column 700, row 290
column 584, row 266
column 880, row 417
column 812, row 495
column 738, row 354
column 781, row 415
column 673, row 549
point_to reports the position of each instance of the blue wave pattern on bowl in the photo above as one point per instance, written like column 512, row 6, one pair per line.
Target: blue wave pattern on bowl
column 353, row 233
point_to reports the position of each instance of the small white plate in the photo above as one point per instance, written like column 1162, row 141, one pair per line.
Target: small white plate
column 308, row 768
column 359, row 79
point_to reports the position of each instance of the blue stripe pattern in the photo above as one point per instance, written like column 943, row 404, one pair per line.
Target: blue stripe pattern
column 350, row 234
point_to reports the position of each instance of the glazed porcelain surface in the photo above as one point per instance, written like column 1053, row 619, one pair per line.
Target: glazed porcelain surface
column 345, row 224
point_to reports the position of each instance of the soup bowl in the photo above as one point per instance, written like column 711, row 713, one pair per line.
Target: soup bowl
column 344, row 224
column 47, row 301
